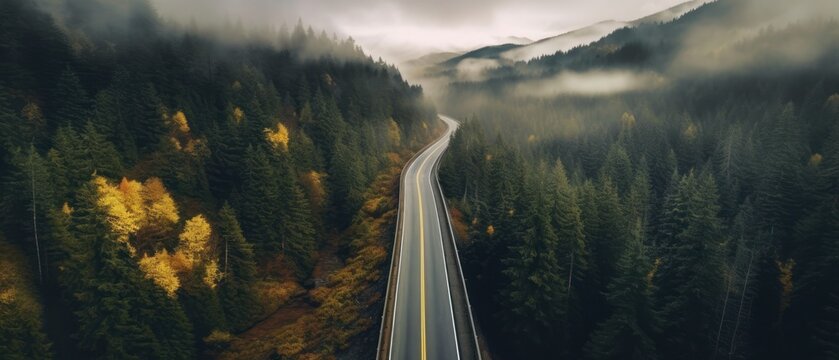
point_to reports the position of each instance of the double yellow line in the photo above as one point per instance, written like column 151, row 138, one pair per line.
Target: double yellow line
column 422, row 260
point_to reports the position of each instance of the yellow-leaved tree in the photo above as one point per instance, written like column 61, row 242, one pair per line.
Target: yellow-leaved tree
column 122, row 218
column 159, row 269
column 179, row 122
column 161, row 216
column 195, row 238
column 195, row 247
column 393, row 133
column 212, row 274
column 161, row 209
column 278, row 138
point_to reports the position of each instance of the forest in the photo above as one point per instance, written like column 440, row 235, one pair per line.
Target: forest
column 162, row 184
column 694, row 215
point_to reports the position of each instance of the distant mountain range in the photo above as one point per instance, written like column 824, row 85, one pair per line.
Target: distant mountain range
column 452, row 63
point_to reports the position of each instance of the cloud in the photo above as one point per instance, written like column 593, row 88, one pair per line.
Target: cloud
column 475, row 69
column 590, row 83
column 403, row 29
column 749, row 33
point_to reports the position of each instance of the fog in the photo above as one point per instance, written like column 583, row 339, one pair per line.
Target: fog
column 403, row 30
column 589, row 83
column 747, row 36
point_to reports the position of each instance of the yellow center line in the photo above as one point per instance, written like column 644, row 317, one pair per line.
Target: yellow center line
column 422, row 261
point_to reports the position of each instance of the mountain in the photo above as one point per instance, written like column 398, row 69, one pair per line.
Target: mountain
column 563, row 42
column 588, row 34
column 473, row 63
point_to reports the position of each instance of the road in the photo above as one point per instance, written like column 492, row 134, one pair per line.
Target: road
column 425, row 320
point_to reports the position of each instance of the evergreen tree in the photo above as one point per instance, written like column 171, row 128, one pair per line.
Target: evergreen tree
column 146, row 116
column 690, row 277
column 201, row 304
column 618, row 168
column 298, row 232
column 628, row 332
column 346, row 183
column 236, row 288
column 71, row 104
column 260, row 202
column 572, row 254
column 534, row 279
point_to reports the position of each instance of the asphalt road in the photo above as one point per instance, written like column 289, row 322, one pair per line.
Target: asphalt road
column 423, row 319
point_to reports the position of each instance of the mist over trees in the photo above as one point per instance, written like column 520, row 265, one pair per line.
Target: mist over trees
column 692, row 219
column 153, row 174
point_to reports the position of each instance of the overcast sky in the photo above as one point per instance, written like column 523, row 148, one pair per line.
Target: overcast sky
column 399, row 29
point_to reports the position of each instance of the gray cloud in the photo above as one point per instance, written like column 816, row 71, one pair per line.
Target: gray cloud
column 402, row 29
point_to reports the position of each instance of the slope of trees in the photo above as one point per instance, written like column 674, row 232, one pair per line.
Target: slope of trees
column 691, row 220
column 152, row 175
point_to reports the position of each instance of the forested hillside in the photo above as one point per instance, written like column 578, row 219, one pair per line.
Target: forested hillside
column 163, row 184
column 647, row 197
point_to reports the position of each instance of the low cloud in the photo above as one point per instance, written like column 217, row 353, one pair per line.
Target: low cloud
column 590, row 83
column 475, row 69
column 752, row 33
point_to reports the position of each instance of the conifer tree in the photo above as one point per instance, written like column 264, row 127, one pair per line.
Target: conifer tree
column 628, row 331
column 201, row 304
column 345, row 182
column 690, row 277
column 572, row 255
column 260, row 202
column 534, row 279
column 236, row 288
column 71, row 104
column 618, row 168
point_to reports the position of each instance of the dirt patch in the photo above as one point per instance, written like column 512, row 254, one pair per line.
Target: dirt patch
column 459, row 226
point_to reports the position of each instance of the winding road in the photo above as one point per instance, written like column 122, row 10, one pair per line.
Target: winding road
column 427, row 313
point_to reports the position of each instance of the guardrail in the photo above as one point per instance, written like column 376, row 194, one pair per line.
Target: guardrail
column 457, row 256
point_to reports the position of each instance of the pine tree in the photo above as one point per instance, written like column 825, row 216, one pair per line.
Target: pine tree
column 345, row 182
column 609, row 235
column 328, row 125
column 637, row 201
column 236, row 289
column 102, row 155
column 628, row 332
column 201, row 304
column 618, row 168
column 298, row 232
column 535, row 290
column 260, row 200
column 71, row 104
column 146, row 117
column 111, row 114
column 572, row 254
column 690, row 277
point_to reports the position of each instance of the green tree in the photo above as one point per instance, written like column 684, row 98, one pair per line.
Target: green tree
column 71, row 104
column 573, row 257
column 236, row 292
column 690, row 276
column 536, row 290
column 628, row 332
column 260, row 200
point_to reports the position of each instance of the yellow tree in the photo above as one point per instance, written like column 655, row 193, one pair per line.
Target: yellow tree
column 120, row 218
column 278, row 138
column 159, row 269
column 195, row 238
